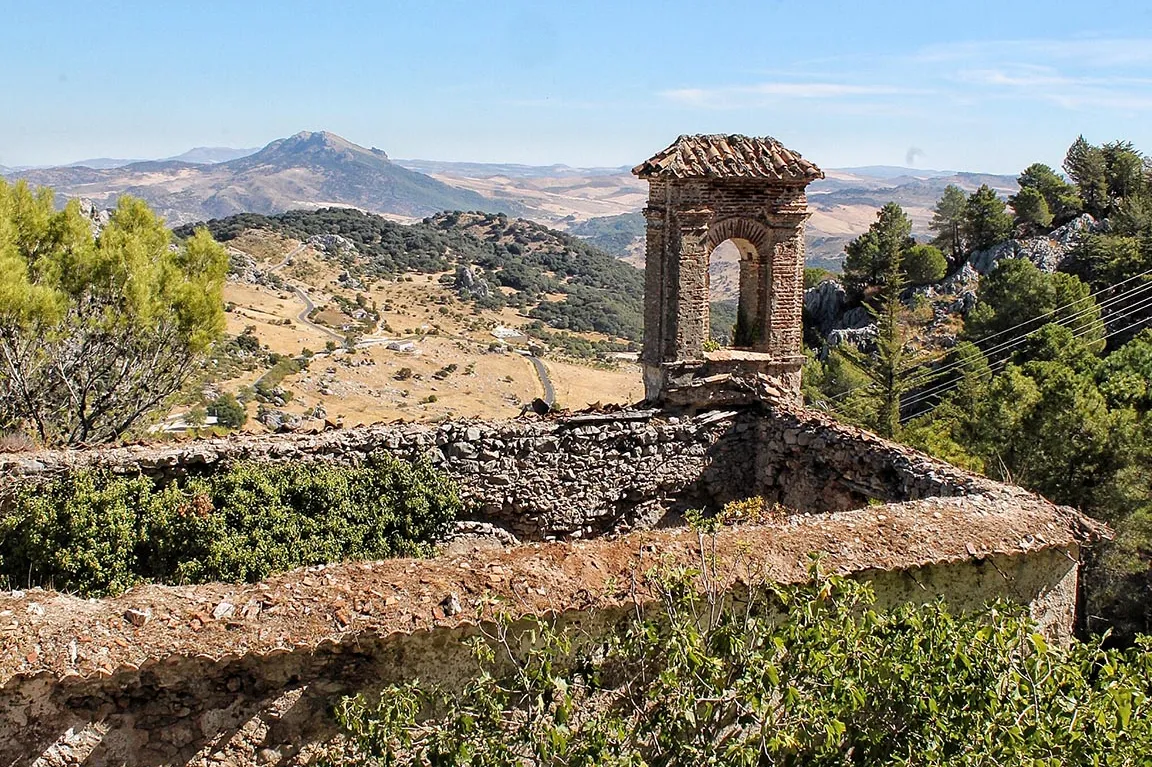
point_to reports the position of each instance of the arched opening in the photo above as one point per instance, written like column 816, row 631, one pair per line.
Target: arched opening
column 740, row 275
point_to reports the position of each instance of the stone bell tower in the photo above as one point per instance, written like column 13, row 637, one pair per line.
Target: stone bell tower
column 705, row 190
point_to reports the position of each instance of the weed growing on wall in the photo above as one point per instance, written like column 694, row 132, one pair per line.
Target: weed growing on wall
column 95, row 534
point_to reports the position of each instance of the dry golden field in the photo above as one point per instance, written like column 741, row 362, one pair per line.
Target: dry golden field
column 373, row 383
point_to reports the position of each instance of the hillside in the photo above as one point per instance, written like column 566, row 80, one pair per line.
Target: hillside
column 308, row 170
column 345, row 316
column 551, row 277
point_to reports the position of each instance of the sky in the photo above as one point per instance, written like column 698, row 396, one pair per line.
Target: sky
column 974, row 85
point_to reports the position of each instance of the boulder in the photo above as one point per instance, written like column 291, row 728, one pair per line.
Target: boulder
column 824, row 303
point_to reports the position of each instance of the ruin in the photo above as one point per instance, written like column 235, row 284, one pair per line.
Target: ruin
column 703, row 191
column 248, row 674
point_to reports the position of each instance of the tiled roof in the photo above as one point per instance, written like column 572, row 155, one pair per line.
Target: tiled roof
column 720, row 156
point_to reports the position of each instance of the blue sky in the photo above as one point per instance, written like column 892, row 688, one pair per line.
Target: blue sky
column 972, row 85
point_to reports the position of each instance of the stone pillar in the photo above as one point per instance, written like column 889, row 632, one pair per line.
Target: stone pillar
column 692, row 287
column 753, row 305
column 655, row 285
column 785, row 332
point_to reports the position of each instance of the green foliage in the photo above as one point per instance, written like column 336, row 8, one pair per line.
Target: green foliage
column 814, row 275
column 1108, row 259
column 1109, row 177
column 95, row 533
column 924, row 264
column 1032, row 212
column 1017, row 294
column 1043, row 192
column 228, row 411
column 95, row 334
column 871, row 255
column 810, row 675
column 948, row 222
column 986, row 219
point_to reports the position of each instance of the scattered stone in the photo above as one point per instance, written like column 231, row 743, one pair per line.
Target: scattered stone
column 138, row 617
column 451, row 605
column 223, row 610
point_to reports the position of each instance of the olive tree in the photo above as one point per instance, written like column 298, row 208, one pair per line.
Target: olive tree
column 97, row 332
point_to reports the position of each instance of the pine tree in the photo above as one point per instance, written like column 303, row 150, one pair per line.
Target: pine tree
column 986, row 219
column 948, row 222
column 894, row 369
column 1086, row 166
column 869, row 257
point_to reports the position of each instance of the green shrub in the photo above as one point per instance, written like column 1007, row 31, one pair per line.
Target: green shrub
column 813, row 675
column 95, row 534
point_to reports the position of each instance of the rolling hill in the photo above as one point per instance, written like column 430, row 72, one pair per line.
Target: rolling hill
column 307, row 170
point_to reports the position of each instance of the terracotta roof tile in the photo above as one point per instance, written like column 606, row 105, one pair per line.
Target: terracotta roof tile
column 735, row 156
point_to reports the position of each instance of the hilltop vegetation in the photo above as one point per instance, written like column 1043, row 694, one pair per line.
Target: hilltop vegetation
column 1045, row 379
column 562, row 281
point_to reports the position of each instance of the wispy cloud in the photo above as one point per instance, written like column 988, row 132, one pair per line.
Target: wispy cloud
column 1091, row 53
column 1071, row 91
column 734, row 96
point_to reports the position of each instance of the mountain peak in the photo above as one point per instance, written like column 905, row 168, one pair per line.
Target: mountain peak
column 318, row 144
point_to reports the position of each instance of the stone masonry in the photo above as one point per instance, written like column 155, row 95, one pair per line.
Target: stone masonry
column 705, row 190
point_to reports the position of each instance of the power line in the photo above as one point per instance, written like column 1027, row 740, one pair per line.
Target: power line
column 997, row 366
column 1063, row 323
column 1013, row 342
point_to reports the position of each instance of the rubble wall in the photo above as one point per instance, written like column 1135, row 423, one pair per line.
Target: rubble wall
column 587, row 475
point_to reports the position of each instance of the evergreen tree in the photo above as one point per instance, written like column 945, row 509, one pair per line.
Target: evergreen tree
column 1062, row 199
column 1032, row 212
column 986, row 219
column 948, row 223
column 1086, row 166
column 924, row 264
column 97, row 333
column 870, row 256
column 894, row 369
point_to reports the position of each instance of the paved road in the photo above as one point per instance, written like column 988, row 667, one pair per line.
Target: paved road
column 303, row 316
column 542, row 372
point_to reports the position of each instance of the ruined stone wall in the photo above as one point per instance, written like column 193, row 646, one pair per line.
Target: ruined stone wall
column 275, row 707
column 585, row 476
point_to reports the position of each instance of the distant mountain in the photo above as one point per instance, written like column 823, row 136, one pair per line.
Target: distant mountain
column 509, row 170
column 894, row 171
column 209, row 155
column 308, row 170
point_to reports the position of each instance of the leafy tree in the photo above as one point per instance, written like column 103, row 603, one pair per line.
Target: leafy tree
column 1017, row 294
column 1032, row 212
column 948, row 223
column 228, row 411
column 96, row 334
column 1061, row 198
column 870, row 256
column 986, row 219
column 924, row 264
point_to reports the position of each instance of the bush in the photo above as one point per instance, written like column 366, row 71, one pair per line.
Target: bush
column 807, row 675
column 924, row 264
column 94, row 533
column 228, row 411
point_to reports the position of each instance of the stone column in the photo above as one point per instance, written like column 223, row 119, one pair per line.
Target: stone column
column 691, row 321
column 784, row 323
column 655, row 285
column 752, row 312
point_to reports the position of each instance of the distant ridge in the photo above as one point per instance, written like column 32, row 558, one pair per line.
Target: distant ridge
column 306, row 170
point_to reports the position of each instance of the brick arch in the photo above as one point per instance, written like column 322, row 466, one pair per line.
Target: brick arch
column 752, row 232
